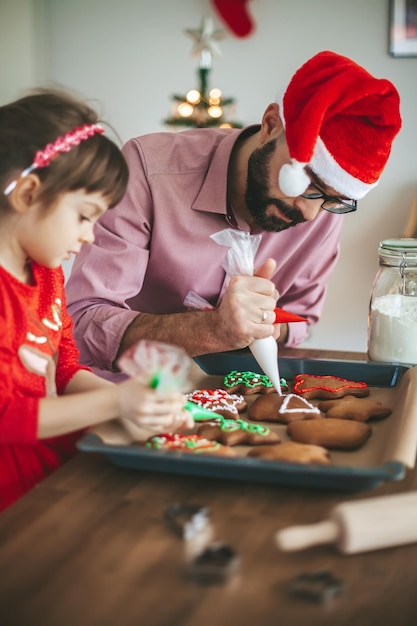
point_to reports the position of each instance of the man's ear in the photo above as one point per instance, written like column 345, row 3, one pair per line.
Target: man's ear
column 24, row 194
column 271, row 124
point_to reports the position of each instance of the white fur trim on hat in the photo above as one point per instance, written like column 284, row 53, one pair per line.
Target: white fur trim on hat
column 293, row 180
column 330, row 172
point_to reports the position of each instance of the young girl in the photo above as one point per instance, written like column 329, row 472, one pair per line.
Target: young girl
column 58, row 175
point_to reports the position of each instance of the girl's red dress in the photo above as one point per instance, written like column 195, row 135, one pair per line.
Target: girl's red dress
column 35, row 332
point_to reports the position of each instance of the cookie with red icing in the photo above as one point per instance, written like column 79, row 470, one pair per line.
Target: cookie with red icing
column 327, row 387
column 194, row 444
column 219, row 401
column 351, row 408
column 234, row 432
column 283, row 409
column 248, row 383
column 293, row 452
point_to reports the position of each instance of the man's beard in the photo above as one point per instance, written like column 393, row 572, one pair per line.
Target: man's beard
column 257, row 198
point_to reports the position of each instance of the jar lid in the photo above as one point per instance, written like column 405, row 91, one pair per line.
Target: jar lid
column 402, row 244
column 398, row 252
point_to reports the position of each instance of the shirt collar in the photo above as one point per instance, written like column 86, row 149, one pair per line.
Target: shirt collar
column 212, row 197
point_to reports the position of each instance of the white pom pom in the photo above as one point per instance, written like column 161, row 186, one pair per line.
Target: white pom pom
column 293, row 179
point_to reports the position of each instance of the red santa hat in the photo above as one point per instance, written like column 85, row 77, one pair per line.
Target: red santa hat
column 236, row 15
column 340, row 121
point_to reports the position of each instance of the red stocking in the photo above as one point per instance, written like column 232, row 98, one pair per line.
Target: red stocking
column 235, row 15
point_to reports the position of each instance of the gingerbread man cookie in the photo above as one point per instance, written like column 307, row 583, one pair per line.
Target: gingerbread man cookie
column 351, row 408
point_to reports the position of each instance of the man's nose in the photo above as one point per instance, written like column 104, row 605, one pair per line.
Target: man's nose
column 308, row 207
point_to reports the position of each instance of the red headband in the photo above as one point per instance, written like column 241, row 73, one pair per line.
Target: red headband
column 62, row 144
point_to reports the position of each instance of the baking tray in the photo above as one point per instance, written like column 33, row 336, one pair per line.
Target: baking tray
column 242, row 468
column 370, row 372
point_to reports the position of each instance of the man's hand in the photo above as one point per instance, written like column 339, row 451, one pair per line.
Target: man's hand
column 247, row 308
column 245, row 313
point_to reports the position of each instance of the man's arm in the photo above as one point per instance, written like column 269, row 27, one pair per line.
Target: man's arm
column 127, row 284
column 233, row 325
column 198, row 332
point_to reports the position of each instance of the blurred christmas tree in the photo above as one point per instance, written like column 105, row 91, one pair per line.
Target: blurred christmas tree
column 203, row 107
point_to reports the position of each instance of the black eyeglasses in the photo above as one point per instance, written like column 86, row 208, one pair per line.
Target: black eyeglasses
column 331, row 203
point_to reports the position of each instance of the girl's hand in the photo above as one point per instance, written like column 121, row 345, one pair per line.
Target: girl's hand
column 145, row 412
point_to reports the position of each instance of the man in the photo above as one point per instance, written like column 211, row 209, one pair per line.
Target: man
column 317, row 151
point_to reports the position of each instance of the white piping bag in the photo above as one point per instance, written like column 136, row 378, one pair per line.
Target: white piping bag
column 240, row 262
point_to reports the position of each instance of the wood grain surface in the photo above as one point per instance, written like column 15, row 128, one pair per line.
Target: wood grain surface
column 90, row 547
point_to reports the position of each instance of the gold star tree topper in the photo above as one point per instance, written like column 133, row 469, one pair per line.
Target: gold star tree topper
column 205, row 40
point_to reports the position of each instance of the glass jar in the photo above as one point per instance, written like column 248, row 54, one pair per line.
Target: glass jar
column 392, row 319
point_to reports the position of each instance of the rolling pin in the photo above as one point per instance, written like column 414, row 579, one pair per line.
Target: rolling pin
column 359, row 526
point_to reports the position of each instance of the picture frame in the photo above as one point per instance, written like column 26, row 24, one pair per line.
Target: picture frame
column 403, row 28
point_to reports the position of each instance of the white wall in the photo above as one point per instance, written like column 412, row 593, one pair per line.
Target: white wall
column 17, row 69
column 132, row 55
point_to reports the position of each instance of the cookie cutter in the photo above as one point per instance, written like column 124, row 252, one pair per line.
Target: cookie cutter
column 321, row 586
column 215, row 565
column 192, row 523
column 187, row 520
column 207, row 561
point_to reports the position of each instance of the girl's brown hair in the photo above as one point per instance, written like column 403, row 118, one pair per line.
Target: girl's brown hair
column 30, row 123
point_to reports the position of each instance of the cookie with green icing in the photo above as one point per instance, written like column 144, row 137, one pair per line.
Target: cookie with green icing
column 192, row 443
column 247, row 383
column 234, row 432
column 218, row 401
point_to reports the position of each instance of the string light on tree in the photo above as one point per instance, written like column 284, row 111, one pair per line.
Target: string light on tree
column 203, row 107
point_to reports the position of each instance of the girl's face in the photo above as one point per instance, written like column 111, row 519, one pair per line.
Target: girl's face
column 50, row 238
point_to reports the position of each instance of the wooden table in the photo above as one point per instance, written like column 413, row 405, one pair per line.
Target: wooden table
column 90, row 547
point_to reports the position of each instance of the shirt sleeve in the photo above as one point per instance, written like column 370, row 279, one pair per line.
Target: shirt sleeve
column 119, row 256
column 18, row 414
column 68, row 354
column 306, row 293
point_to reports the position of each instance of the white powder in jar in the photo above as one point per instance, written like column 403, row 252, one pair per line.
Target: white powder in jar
column 393, row 329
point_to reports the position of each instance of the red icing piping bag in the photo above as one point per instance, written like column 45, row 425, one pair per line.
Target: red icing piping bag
column 282, row 317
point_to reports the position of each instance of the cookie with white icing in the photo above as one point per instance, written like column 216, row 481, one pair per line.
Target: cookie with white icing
column 283, row 409
column 219, row 401
column 193, row 444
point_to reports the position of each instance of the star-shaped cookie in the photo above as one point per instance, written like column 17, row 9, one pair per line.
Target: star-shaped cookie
column 351, row 408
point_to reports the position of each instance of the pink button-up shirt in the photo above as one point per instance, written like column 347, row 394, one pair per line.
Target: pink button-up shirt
column 155, row 246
